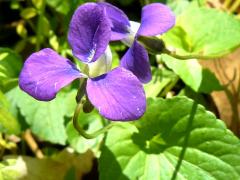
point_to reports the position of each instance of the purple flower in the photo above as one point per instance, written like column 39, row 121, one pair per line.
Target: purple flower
column 156, row 19
column 117, row 93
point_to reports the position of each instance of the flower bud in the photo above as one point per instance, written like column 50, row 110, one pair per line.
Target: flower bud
column 154, row 45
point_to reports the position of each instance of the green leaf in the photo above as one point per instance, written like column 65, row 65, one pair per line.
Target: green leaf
column 204, row 31
column 191, row 72
column 175, row 139
column 44, row 26
column 15, row 4
column 178, row 6
column 28, row 168
column 10, row 66
column 21, row 30
column 28, row 13
column 91, row 122
column 8, row 123
column 3, row 101
column 53, row 40
column 160, row 79
column 7, row 170
column 46, row 119
column 38, row 3
column 61, row 6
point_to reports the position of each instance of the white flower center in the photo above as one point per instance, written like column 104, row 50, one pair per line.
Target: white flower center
column 101, row 65
column 134, row 26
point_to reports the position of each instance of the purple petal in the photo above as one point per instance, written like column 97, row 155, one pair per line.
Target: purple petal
column 119, row 21
column 45, row 72
column 89, row 32
column 118, row 95
column 156, row 19
column 136, row 60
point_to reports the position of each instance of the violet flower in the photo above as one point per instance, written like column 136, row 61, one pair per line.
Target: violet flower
column 117, row 93
column 156, row 19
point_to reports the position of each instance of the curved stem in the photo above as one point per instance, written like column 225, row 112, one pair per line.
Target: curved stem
column 81, row 90
column 81, row 131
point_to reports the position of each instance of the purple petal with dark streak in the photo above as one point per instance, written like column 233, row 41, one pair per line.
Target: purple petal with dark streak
column 45, row 72
column 119, row 21
column 156, row 19
column 118, row 95
column 89, row 32
column 136, row 60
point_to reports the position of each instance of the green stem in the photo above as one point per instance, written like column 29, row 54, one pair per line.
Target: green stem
column 81, row 131
column 40, row 17
column 81, row 89
column 186, row 57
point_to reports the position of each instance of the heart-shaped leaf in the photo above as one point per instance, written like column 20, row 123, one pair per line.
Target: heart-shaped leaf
column 46, row 119
column 175, row 139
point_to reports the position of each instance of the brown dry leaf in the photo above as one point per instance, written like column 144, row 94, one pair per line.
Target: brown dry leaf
column 227, row 70
column 217, row 4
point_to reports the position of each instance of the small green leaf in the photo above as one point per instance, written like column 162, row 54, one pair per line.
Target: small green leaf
column 204, row 31
column 38, row 3
column 28, row 13
column 21, row 30
column 53, row 41
column 44, row 26
column 20, row 45
column 10, row 66
column 191, row 72
column 91, row 122
column 15, row 4
column 175, row 139
column 61, row 6
column 8, row 123
column 46, row 119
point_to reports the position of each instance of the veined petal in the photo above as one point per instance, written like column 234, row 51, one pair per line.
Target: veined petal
column 45, row 72
column 89, row 32
column 119, row 21
column 118, row 95
column 136, row 60
column 156, row 19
